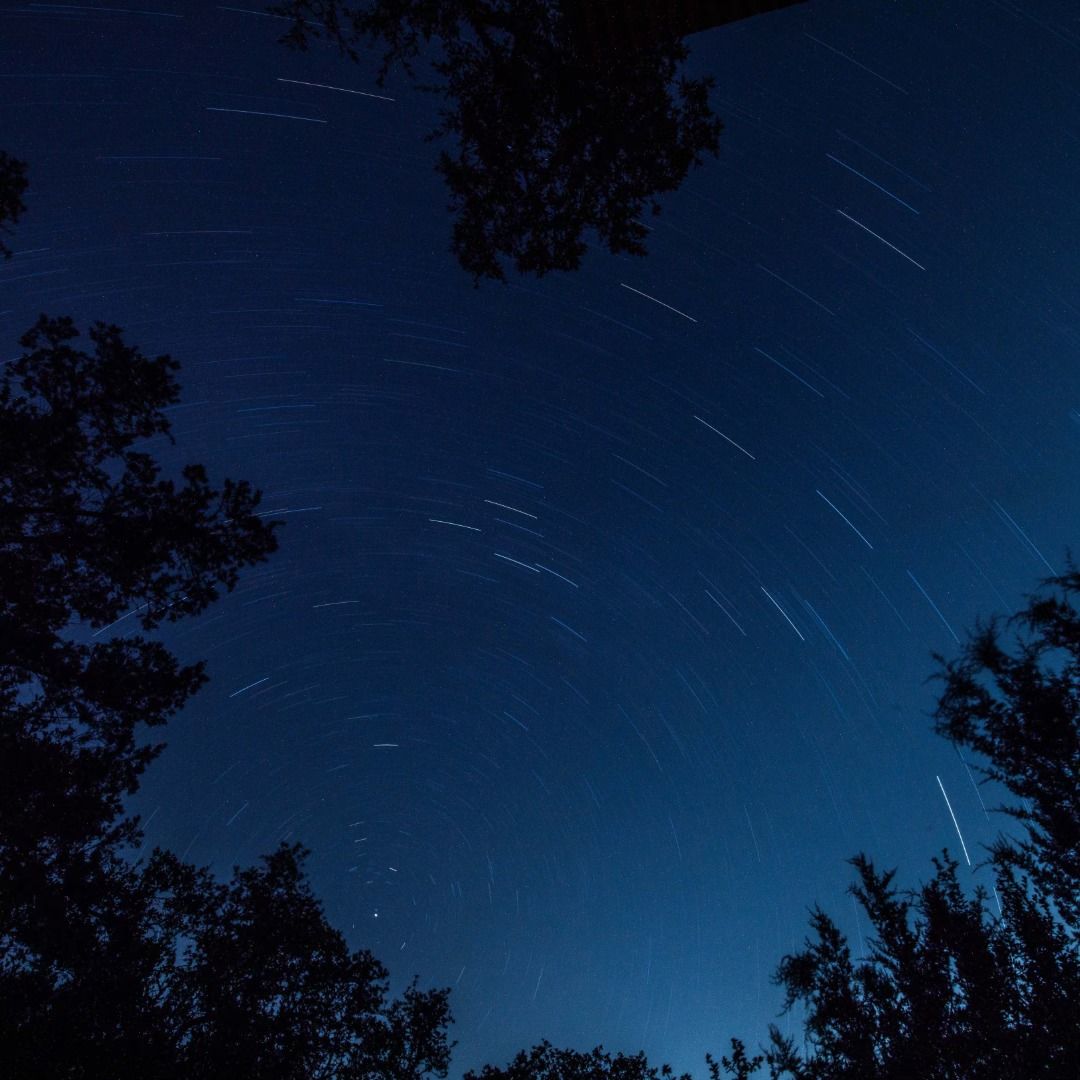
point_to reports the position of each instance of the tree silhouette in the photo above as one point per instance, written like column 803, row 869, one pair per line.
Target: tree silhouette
column 545, row 1062
column 271, row 990
column 950, row 990
column 174, row 974
column 568, row 117
column 90, row 532
column 627, row 25
column 1018, row 710
column 86, row 974
column 107, row 965
column 13, row 184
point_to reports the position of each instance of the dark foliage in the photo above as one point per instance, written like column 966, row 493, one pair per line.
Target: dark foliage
column 171, row 974
column 952, row 989
column 270, row 989
column 564, row 125
column 1018, row 707
column 87, row 971
column 108, row 966
column 552, row 144
column 90, row 532
column 13, row 184
column 545, row 1062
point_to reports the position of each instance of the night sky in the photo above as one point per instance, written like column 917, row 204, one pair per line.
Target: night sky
column 599, row 632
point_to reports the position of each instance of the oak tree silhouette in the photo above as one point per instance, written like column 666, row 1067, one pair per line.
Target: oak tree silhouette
column 568, row 118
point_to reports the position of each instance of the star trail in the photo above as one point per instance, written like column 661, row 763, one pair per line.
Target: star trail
column 599, row 632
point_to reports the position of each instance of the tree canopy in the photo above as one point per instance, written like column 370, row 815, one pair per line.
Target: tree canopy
column 90, row 532
column 1017, row 709
column 546, row 1062
column 270, row 989
column 952, row 988
column 566, row 118
column 110, row 965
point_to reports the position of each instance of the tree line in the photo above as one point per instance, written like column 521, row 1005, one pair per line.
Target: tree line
column 112, row 965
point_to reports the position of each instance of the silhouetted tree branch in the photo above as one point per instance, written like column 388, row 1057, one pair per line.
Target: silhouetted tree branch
column 90, row 531
column 567, row 118
column 1015, row 703
column 151, row 969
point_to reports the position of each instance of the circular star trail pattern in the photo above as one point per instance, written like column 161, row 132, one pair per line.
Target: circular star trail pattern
column 598, row 635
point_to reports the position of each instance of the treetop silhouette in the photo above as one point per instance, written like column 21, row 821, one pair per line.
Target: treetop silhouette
column 1016, row 703
column 546, row 1062
column 951, row 988
column 153, row 968
column 271, row 990
column 568, row 118
column 90, row 532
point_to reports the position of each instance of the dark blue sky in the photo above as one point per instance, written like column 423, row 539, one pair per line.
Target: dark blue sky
column 599, row 631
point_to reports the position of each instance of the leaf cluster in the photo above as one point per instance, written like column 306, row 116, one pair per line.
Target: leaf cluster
column 554, row 139
column 1016, row 704
column 554, row 142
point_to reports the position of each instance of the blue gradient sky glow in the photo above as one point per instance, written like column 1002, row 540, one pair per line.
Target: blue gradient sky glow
column 598, row 636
